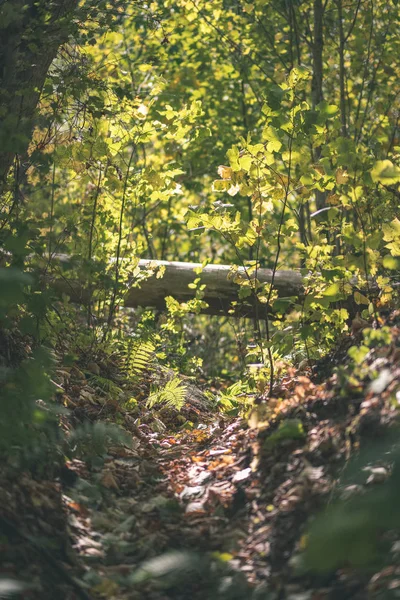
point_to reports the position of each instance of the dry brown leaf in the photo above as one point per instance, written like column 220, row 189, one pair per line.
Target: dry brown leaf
column 108, row 480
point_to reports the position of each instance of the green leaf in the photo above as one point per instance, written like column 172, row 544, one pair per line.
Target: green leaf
column 274, row 146
column 233, row 157
column 245, row 162
column 360, row 298
column 139, row 356
column 358, row 353
column 221, row 185
column 328, row 110
column 289, row 429
column 12, row 284
column 391, row 233
column 384, row 171
column 333, row 290
column 391, row 263
column 394, row 248
column 173, row 394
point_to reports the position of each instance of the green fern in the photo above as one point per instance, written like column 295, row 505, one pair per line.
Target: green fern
column 107, row 386
column 139, row 356
column 172, row 394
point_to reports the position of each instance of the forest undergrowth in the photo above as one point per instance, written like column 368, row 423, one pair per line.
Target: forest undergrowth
column 199, row 299
column 192, row 503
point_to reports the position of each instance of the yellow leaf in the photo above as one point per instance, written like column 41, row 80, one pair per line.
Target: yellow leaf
column 160, row 272
column 220, row 185
column 224, row 172
column 389, row 262
column 224, row 556
column 342, row 176
column 384, row 171
column 333, row 290
column 245, row 162
column 360, row 298
column 248, row 7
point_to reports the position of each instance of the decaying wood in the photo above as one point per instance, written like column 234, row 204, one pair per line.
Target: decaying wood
column 220, row 291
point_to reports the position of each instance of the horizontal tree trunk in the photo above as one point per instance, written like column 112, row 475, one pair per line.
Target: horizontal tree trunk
column 219, row 293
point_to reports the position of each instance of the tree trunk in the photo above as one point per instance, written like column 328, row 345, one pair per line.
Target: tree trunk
column 317, row 79
column 318, row 46
column 342, row 70
column 221, row 286
column 31, row 33
column 220, row 291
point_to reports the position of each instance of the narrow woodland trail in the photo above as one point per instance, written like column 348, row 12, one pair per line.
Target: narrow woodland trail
column 216, row 511
column 221, row 511
column 193, row 507
column 199, row 300
column 176, row 505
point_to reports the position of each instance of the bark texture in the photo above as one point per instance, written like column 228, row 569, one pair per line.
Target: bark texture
column 31, row 33
column 221, row 290
column 317, row 79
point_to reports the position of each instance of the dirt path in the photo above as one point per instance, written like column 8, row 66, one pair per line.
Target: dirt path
column 176, row 506
column 212, row 510
column 221, row 511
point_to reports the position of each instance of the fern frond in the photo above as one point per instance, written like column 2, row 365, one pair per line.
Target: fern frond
column 105, row 385
column 140, row 355
column 172, row 394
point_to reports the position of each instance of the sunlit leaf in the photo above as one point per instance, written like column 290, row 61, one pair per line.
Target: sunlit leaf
column 384, row 171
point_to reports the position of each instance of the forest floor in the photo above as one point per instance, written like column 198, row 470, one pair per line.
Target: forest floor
column 216, row 511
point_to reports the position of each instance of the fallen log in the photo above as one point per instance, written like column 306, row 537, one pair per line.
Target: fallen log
column 220, row 291
column 221, row 287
